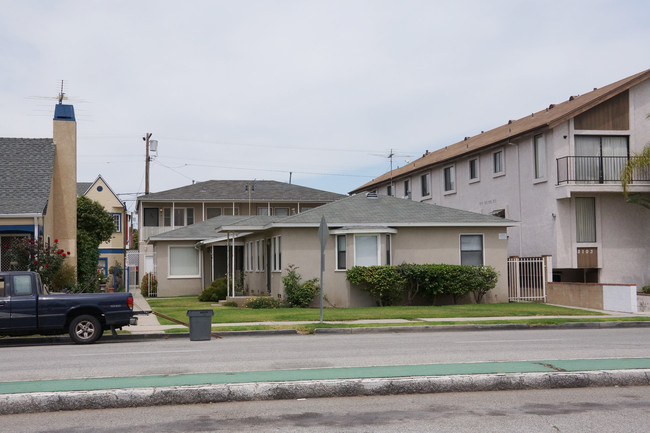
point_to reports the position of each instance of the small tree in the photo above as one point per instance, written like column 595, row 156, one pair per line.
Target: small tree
column 636, row 164
column 299, row 294
column 94, row 226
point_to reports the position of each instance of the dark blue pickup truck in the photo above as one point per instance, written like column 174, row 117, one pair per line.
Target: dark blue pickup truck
column 27, row 308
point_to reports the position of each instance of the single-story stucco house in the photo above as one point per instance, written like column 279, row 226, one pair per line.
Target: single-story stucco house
column 364, row 230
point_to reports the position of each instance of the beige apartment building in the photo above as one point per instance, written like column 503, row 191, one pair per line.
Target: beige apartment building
column 557, row 172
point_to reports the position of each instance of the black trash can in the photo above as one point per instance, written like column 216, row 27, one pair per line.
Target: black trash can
column 200, row 324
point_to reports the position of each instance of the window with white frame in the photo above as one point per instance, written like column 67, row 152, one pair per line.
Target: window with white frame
column 498, row 167
column 341, row 248
column 276, row 245
column 117, row 219
column 183, row 262
column 449, row 175
column 425, row 183
column 366, row 250
column 183, row 216
column 539, row 150
column 585, row 219
column 389, row 190
column 407, row 188
column 167, row 217
column 262, row 210
column 281, row 211
column 474, row 173
column 471, row 250
column 258, row 256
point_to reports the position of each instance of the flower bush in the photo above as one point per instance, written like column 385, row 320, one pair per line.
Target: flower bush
column 25, row 254
column 149, row 286
column 263, row 302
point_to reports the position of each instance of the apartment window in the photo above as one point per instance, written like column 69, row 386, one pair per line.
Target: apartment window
column 497, row 162
column 366, row 250
column 407, row 188
column 259, row 250
column 474, row 174
column 425, row 181
column 183, row 262
column 179, row 217
column 449, row 174
column 600, row 159
column 540, row 156
column 249, row 256
column 341, row 248
column 276, row 245
column 213, row 212
column 281, row 211
column 388, row 250
column 117, row 220
column 389, row 190
column 585, row 219
column 167, row 217
column 190, row 216
column 230, row 211
column 263, row 210
column 471, row 250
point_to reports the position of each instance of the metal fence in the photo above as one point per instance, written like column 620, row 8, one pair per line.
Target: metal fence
column 527, row 278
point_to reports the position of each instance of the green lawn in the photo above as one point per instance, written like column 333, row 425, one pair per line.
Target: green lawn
column 177, row 308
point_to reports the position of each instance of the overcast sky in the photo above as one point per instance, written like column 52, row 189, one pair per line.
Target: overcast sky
column 323, row 89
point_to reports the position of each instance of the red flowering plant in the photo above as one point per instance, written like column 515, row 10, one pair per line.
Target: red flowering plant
column 27, row 255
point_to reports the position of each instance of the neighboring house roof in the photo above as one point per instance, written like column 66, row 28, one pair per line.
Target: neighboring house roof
column 83, row 187
column 364, row 211
column 236, row 190
column 357, row 211
column 550, row 117
column 26, row 169
column 199, row 231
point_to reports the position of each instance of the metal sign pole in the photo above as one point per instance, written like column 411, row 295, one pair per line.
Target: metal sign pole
column 323, row 234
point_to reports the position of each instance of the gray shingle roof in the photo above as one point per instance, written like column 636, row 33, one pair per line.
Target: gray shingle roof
column 235, row 190
column 359, row 210
column 200, row 231
column 82, row 188
column 26, row 166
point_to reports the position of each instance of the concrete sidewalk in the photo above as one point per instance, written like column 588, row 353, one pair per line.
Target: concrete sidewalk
column 148, row 324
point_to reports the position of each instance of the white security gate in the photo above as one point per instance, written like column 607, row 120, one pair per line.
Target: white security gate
column 527, row 278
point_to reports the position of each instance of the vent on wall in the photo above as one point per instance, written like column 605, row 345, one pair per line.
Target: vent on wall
column 371, row 194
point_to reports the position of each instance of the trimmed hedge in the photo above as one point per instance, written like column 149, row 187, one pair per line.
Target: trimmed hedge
column 215, row 292
column 388, row 284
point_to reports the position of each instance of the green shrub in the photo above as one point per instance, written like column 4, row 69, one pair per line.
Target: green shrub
column 263, row 302
column 215, row 292
column 149, row 280
column 299, row 294
column 230, row 304
column 645, row 289
column 64, row 278
column 384, row 283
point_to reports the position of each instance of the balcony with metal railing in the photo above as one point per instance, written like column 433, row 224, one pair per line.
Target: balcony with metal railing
column 597, row 174
column 596, row 170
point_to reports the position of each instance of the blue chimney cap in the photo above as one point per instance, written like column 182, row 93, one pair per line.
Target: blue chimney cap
column 64, row 112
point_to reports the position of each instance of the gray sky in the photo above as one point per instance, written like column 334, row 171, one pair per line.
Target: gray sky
column 257, row 89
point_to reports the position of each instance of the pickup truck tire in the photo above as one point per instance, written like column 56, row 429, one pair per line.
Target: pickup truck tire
column 85, row 329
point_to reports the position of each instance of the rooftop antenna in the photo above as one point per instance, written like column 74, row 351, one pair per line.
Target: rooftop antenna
column 61, row 94
column 390, row 156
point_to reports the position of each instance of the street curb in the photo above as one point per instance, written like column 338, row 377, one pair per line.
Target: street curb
column 64, row 339
column 152, row 396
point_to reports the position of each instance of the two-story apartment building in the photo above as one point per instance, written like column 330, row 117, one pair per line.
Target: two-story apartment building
column 557, row 171
column 176, row 266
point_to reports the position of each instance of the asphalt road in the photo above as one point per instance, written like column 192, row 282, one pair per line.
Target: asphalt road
column 181, row 356
column 560, row 410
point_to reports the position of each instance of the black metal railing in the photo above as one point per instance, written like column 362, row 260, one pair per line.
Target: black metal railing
column 596, row 169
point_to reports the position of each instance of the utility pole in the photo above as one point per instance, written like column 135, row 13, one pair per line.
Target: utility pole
column 146, row 166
